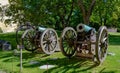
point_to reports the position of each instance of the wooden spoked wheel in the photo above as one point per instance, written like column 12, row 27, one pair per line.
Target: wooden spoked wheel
column 67, row 41
column 101, row 44
column 28, row 39
column 49, row 41
column 19, row 32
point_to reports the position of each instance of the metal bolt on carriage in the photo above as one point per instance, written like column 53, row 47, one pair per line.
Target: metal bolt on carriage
column 34, row 38
column 85, row 42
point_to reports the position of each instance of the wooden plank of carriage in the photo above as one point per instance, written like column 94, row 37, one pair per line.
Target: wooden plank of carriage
column 39, row 50
column 81, row 55
column 58, row 46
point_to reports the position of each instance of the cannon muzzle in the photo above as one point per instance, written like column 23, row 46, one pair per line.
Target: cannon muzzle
column 83, row 28
column 41, row 29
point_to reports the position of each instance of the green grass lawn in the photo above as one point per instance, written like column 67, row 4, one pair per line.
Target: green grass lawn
column 11, row 63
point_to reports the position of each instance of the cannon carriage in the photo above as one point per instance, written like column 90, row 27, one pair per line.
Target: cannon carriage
column 37, row 38
column 85, row 42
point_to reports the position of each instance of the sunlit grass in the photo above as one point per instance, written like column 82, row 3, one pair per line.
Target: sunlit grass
column 11, row 63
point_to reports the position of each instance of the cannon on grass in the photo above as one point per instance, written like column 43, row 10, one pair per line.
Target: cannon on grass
column 85, row 42
column 32, row 38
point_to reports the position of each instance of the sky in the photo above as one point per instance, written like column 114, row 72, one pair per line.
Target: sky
column 3, row 2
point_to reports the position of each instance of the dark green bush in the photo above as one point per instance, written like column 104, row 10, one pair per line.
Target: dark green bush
column 118, row 29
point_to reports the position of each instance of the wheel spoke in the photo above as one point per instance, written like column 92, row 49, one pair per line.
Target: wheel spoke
column 53, row 38
column 48, row 34
column 104, row 39
column 67, row 34
column 45, row 37
column 46, row 47
column 52, row 47
column 29, row 35
column 67, row 50
column 44, row 42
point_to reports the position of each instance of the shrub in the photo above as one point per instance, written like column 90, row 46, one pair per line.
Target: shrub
column 1, row 30
column 118, row 29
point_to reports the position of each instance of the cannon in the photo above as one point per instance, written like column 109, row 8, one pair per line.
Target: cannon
column 85, row 42
column 37, row 38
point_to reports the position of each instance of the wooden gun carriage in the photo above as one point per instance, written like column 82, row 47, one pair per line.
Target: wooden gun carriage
column 85, row 42
column 33, row 38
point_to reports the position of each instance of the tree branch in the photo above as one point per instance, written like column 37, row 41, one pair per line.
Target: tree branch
column 70, row 12
column 91, row 7
column 86, row 12
column 80, row 3
column 83, row 10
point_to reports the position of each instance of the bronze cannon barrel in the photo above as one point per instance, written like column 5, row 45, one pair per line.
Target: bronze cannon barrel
column 41, row 29
column 83, row 27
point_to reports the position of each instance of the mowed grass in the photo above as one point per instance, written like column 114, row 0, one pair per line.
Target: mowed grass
column 11, row 63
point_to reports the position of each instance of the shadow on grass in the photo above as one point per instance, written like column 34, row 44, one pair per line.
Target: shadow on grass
column 64, row 65
column 75, row 66
column 103, row 71
column 9, row 57
column 6, row 55
column 114, row 39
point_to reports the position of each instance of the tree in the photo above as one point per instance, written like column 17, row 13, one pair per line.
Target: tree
column 21, row 11
column 59, row 14
column 2, row 12
column 41, row 12
column 106, row 13
column 86, row 9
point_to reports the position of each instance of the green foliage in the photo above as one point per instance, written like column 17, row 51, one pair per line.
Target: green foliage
column 56, row 14
column 118, row 29
column 106, row 13
column 59, row 14
column 26, row 10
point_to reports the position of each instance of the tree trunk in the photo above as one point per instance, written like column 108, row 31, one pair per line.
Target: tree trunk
column 86, row 12
column 100, row 17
